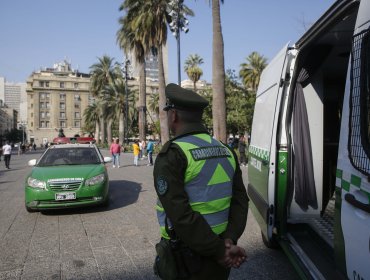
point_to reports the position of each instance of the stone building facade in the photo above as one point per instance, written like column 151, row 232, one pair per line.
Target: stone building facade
column 56, row 98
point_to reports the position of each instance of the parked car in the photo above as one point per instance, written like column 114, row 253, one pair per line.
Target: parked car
column 67, row 176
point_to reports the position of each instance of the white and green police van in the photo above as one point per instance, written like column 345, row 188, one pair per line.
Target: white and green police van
column 309, row 155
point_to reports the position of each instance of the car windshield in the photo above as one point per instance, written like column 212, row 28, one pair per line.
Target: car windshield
column 69, row 156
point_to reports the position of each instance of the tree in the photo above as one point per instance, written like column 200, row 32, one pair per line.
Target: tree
column 115, row 103
column 91, row 119
column 192, row 68
column 218, row 75
column 149, row 25
column 236, row 108
column 154, row 104
column 102, row 75
column 131, row 39
column 15, row 135
column 251, row 71
column 240, row 105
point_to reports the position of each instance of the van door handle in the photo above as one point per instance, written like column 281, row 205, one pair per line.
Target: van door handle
column 350, row 198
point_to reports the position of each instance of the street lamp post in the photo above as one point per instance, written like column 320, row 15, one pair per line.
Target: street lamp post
column 178, row 23
column 125, row 133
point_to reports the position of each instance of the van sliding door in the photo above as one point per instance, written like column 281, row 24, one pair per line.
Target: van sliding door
column 262, row 149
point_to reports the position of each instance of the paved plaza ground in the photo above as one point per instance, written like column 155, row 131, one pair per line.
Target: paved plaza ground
column 102, row 243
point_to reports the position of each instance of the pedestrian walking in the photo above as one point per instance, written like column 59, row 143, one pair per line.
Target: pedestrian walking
column 136, row 149
column 149, row 150
column 143, row 146
column 140, row 143
column 241, row 148
column 7, row 152
column 115, row 150
column 203, row 205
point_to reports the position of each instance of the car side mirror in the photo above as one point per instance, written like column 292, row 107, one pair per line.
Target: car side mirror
column 107, row 159
column 32, row 162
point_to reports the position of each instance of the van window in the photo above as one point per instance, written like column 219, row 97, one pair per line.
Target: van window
column 366, row 93
column 359, row 146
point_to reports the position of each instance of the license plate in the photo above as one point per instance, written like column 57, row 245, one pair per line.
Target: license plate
column 65, row 196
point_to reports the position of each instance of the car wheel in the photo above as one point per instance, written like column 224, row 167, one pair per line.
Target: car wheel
column 106, row 202
column 272, row 243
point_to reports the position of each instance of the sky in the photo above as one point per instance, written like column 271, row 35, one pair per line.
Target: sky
column 36, row 34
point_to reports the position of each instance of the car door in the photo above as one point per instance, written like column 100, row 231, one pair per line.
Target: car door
column 262, row 149
column 352, row 241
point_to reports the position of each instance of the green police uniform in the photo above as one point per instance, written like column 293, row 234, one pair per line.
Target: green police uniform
column 202, row 233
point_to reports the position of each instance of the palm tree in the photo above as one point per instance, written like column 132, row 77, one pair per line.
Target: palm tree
column 109, row 113
column 153, row 24
column 91, row 119
column 250, row 72
column 130, row 40
column 149, row 25
column 154, row 104
column 116, row 105
column 102, row 75
column 218, row 75
column 192, row 68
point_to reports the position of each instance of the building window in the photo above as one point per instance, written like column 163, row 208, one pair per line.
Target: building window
column 62, row 96
column 61, row 84
column 47, row 124
column 77, row 123
column 42, row 115
column 77, row 115
column 77, row 97
column 47, row 105
column 77, row 106
column 31, row 105
column 75, row 85
column 41, row 83
column 42, row 124
column 42, row 105
column 47, row 84
column 62, row 115
column 31, row 124
column 62, row 124
column 62, row 105
column 47, row 114
column 42, row 95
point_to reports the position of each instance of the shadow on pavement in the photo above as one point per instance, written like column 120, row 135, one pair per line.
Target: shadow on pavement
column 121, row 193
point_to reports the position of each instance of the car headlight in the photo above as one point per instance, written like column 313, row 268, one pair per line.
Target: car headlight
column 95, row 180
column 34, row 183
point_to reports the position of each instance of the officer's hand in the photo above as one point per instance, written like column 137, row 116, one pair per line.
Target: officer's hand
column 237, row 256
column 234, row 255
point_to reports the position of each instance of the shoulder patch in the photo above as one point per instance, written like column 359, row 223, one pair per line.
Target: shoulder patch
column 162, row 185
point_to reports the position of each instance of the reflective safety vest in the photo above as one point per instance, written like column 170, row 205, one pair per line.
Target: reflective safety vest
column 208, row 180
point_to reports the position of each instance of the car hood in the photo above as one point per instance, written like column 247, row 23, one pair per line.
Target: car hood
column 67, row 171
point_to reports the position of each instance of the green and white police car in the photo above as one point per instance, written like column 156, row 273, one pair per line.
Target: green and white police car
column 67, row 176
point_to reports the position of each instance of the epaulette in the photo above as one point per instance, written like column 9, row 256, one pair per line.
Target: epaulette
column 165, row 147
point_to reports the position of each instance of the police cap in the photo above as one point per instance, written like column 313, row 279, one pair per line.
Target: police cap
column 183, row 99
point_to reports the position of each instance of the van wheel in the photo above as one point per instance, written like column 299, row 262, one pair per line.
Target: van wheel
column 272, row 243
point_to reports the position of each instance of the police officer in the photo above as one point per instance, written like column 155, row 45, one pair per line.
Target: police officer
column 202, row 200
